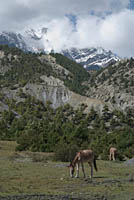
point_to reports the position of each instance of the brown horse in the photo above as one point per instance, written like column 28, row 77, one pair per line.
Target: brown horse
column 112, row 153
column 83, row 156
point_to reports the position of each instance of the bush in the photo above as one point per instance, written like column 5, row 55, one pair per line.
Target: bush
column 65, row 152
column 105, row 154
column 129, row 152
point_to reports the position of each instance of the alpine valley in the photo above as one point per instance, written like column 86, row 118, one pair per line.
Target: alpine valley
column 54, row 104
column 48, row 99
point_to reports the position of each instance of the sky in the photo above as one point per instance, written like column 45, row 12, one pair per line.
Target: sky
column 74, row 23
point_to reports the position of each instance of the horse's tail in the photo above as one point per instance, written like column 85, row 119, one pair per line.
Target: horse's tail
column 95, row 165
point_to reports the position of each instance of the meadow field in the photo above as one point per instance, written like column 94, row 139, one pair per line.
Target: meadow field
column 28, row 175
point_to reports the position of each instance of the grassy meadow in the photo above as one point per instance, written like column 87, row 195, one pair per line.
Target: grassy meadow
column 37, row 173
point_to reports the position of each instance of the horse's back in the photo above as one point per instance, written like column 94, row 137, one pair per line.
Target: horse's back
column 86, row 155
column 113, row 149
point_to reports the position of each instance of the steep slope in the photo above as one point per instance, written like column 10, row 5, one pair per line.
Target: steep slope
column 115, row 85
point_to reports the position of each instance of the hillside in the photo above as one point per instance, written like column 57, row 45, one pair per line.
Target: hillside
column 52, row 78
column 115, row 85
column 45, row 104
column 18, row 66
column 59, row 80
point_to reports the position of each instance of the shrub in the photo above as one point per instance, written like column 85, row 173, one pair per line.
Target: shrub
column 65, row 152
column 129, row 152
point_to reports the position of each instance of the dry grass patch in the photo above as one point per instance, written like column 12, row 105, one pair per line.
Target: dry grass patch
column 31, row 156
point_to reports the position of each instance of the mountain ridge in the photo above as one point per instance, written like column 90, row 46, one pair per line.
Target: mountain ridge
column 91, row 58
column 36, row 41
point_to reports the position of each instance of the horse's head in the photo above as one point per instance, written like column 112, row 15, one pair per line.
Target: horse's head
column 71, row 168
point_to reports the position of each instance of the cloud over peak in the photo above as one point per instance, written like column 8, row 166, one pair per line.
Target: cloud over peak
column 106, row 23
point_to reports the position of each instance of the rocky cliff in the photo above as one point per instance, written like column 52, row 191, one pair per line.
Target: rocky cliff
column 53, row 90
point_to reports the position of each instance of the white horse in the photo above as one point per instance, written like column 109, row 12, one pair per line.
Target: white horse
column 83, row 156
column 112, row 153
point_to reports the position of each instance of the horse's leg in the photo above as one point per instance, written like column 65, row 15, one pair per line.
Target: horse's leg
column 83, row 169
column 113, row 156
column 77, row 170
column 91, row 170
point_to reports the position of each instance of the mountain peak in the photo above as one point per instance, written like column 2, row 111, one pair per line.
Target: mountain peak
column 36, row 34
column 37, row 41
column 91, row 58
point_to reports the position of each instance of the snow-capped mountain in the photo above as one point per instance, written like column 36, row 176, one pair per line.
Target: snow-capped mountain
column 31, row 40
column 37, row 41
column 91, row 58
column 14, row 40
column 36, row 34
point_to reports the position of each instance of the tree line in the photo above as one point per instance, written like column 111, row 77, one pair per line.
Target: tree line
column 38, row 127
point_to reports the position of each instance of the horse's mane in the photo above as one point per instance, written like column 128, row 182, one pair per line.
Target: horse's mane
column 76, row 158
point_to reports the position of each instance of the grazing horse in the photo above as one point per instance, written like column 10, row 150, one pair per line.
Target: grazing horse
column 83, row 156
column 112, row 153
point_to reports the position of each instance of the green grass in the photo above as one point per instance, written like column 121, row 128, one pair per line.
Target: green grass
column 35, row 173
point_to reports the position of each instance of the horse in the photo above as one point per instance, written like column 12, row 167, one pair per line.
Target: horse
column 112, row 153
column 81, row 157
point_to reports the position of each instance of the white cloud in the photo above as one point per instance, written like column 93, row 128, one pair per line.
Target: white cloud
column 17, row 14
column 113, row 31
column 116, row 33
column 59, row 33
